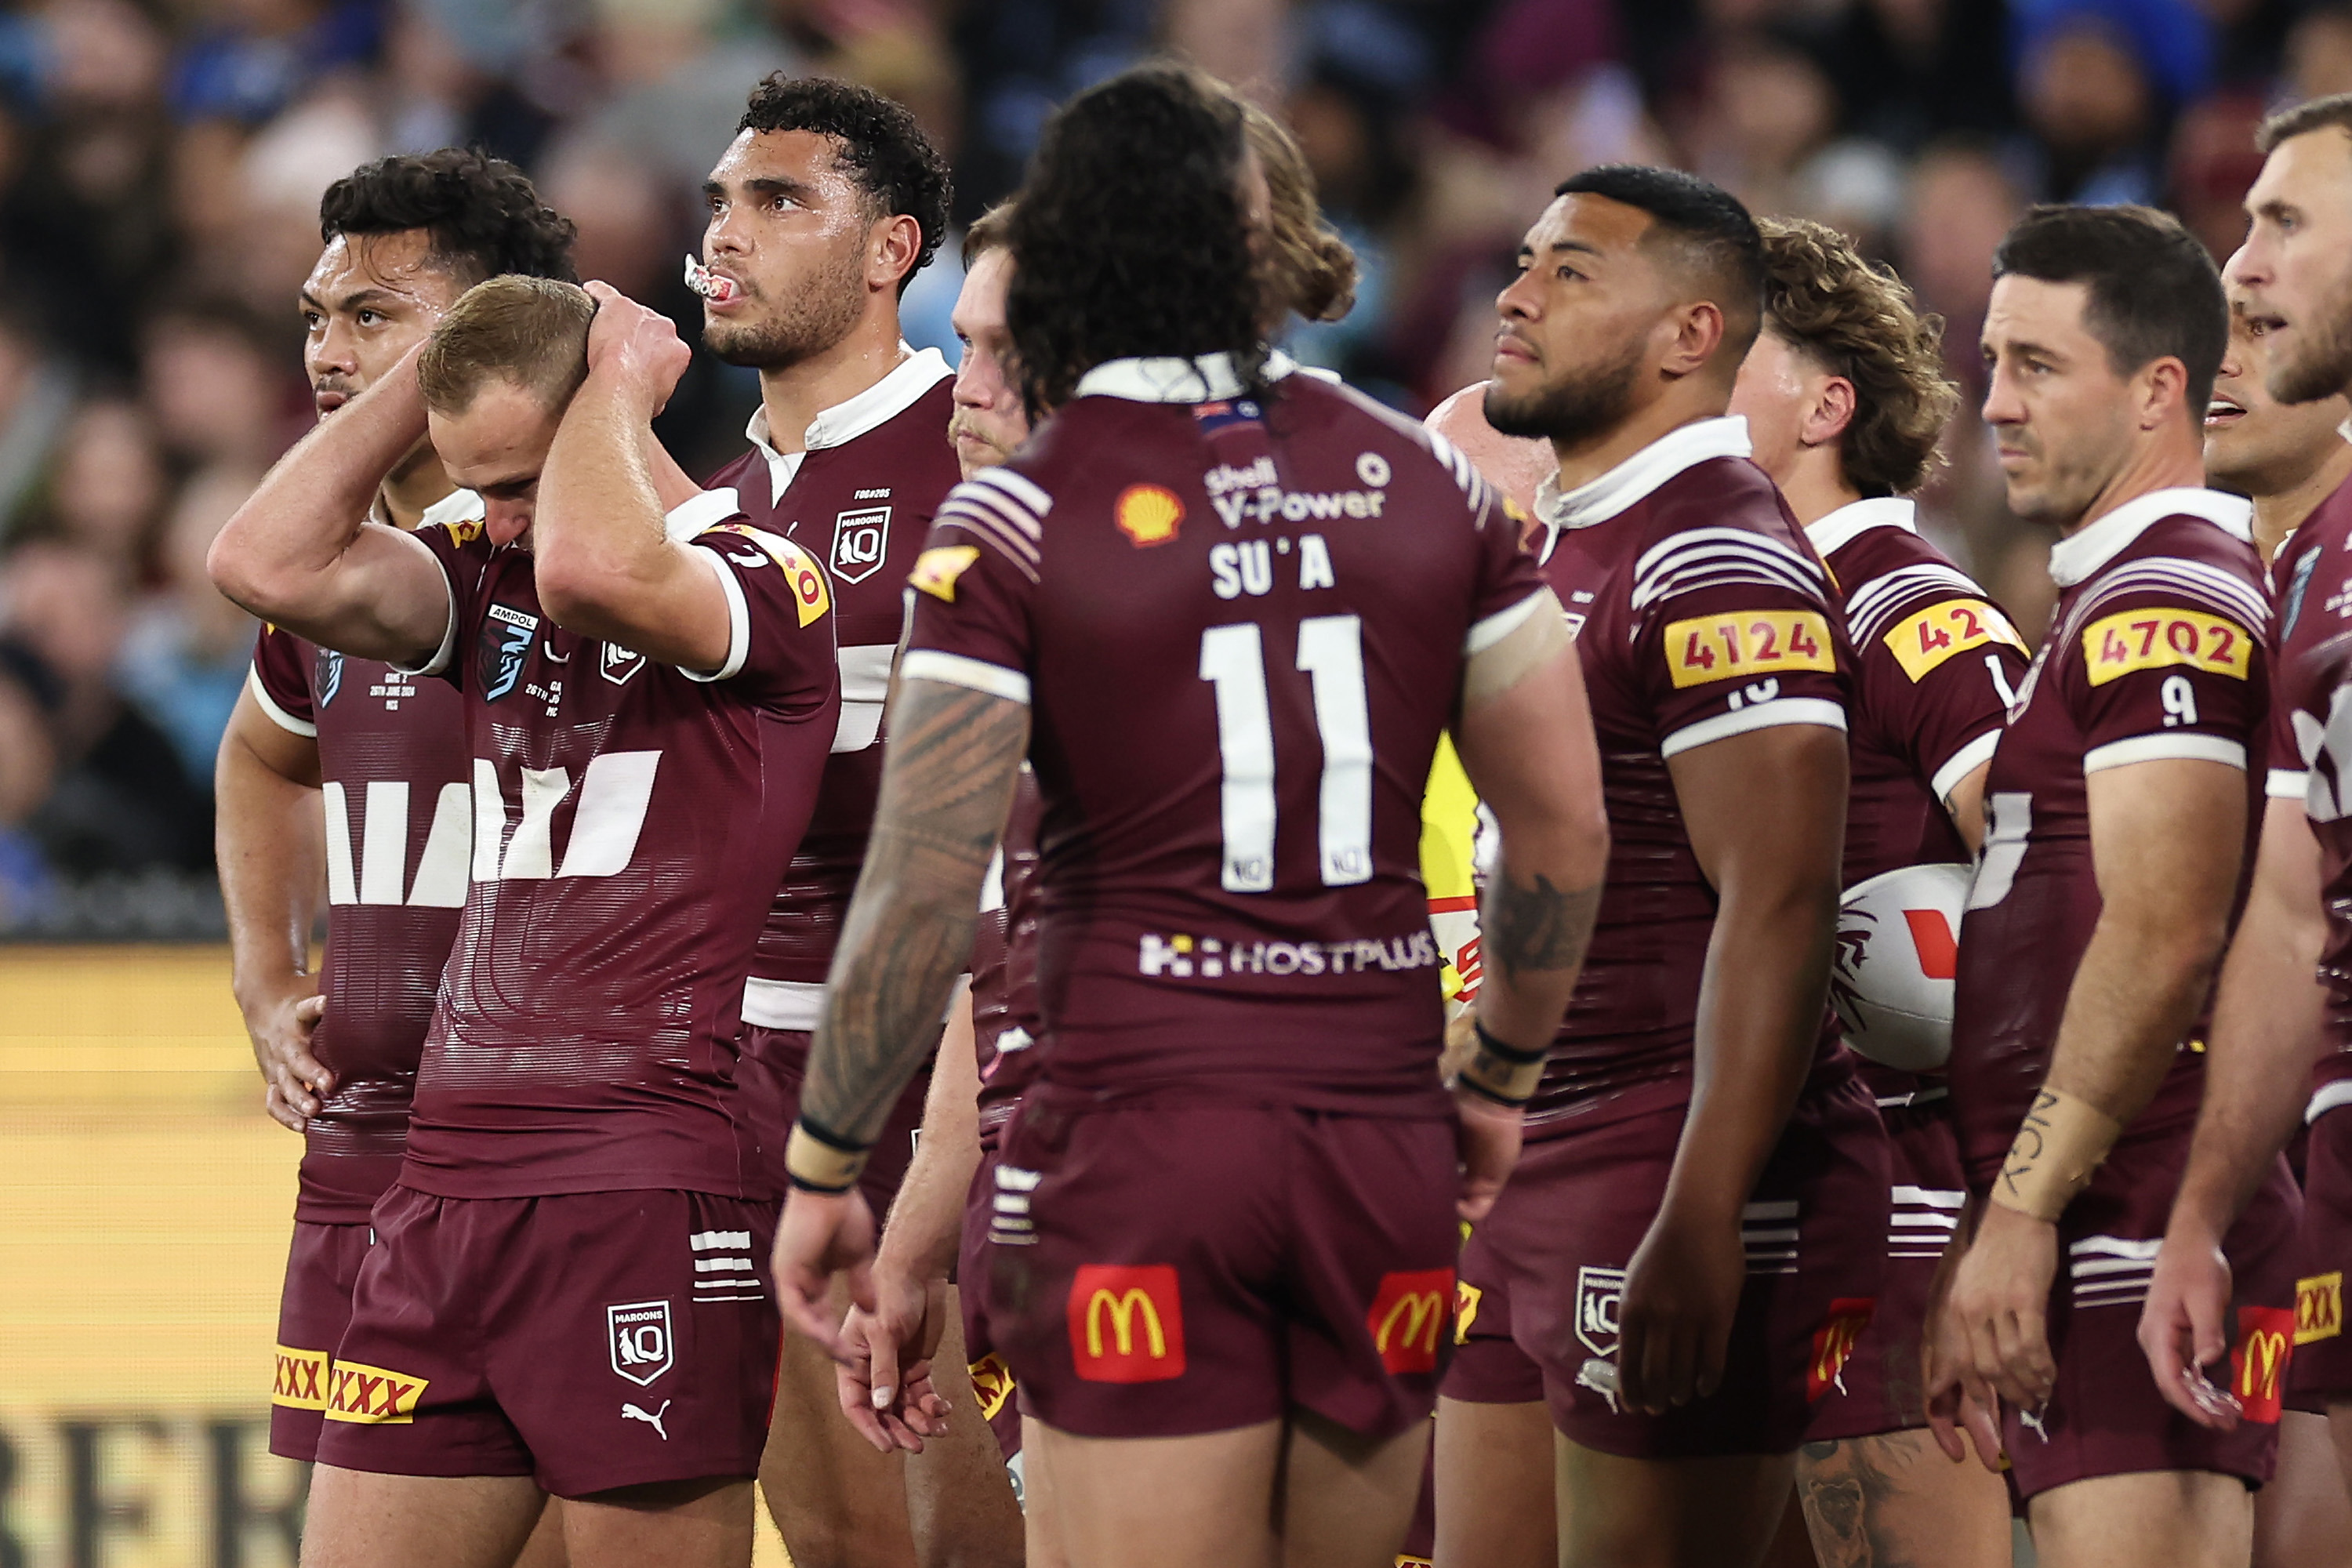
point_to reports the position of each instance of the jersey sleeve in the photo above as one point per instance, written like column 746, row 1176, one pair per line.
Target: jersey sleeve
column 974, row 583
column 1735, row 635
column 1943, row 669
column 1504, row 589
column 2170, row 663
column 779, row 643
column 280, row 682
column 459, row 548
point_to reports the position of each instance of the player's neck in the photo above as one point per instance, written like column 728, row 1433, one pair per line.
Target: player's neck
column 794, row 394
column 408, row 489
column 1583, row 461
column 2281, row 512
column 2169, row 458
column 1815, row 485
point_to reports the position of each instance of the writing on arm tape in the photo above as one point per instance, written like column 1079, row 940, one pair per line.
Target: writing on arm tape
column 1923, row 641
column 2118, row 645
column 1740, row 646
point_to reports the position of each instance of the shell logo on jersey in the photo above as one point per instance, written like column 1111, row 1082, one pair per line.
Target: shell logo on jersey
column 1127, row 1323
column 300, row 1383
column 1467, row 1297
column 1940, row 631
column 810, row 599
column 1747, row 643
column 991, row 1382
column 371, row 1396
column 1148, row 514
column 639, row 1339
column 2258, row 1360
column 2318, row 1308
column 2115, row 645
column 1407, row 1315
column 936, row 570
column 1833, row 1343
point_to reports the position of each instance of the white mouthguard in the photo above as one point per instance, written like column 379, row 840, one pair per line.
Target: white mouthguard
column 707, row 283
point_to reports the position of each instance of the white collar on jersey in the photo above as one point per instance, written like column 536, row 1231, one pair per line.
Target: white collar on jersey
column 457, row 506
column 1170, row 378
column 2076, row 557
column 914, row 375
column 1598, row 500
column 1841, row 528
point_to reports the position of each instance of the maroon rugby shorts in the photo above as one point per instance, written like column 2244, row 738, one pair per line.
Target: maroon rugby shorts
column 312, row 1310
column 1168, row 1265
column 1880, row 1389
column 2322, row 1371
column 992, row 1379
column 2104, row 1417
column 774, row 1065
column 589, row 1340
column 1579, row 1205
column 1488, row 1366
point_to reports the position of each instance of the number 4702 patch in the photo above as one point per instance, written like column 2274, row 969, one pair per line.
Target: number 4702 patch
column 2116, row 646
column 1745, row 643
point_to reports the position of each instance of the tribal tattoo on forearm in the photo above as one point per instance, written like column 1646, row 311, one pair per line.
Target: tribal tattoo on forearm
column 947, row 786
column 1535, row 927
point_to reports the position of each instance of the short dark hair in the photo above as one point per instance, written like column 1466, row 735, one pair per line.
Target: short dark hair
column 878, row 143
column 483, row 213
column 2314, row 114
column 1715, row 235
column 2153, row 289
column 1130, row 238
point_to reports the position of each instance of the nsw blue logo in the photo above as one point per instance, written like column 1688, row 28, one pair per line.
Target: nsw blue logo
column 507, row 635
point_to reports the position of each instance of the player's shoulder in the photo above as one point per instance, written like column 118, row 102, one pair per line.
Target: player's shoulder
column 748, row 469
column 2175, row 546
column 1720, row 522
column 1884, row 569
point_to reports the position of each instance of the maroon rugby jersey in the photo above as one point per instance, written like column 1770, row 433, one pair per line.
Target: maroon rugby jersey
column 630, row 823
column 1936, row 665
column 2155, row 651
column 1005, row 1025
column 860, row 499
column 2311, row 744
column 1240, row 631
column 1700, row 613
column 393, row 766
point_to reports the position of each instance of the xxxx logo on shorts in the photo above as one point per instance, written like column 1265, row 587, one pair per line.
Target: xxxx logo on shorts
column 991, row 1381
column 637, row 1334
column 300, row 1383
column 370, row 1395
column 1127, row 1324
column 1833, row 1343
column 1408, row 1313
column 2318, row 1308
column 1598, row 1293
column 1467, row 1297
column 2258, row 1360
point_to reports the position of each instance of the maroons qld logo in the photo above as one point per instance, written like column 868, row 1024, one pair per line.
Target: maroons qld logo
column 506, row 636
column 640, row 1340
column 860, row 541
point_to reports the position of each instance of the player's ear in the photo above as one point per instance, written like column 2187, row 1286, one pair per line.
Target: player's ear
column 2162, row 392
column 1831, row 411
column 894, row 242
column 1697, row 335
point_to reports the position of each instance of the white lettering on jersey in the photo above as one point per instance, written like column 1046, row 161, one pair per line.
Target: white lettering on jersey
column 378, row 873
column 614, row 796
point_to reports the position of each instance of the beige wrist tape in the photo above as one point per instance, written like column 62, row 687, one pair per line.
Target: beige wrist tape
column 818, row 1167
column 1495, row 668
column 2059, row 1144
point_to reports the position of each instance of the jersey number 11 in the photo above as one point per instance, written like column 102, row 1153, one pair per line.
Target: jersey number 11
column 1331, row 652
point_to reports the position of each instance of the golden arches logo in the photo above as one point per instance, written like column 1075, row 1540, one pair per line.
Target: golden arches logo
column 1122, row 1310
column 1125, row 1322
column 1421, row 1313
column 2265, row 1358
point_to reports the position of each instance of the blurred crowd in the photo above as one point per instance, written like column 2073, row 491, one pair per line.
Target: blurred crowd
column 160, row 163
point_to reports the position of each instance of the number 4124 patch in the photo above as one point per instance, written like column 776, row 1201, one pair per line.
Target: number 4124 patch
column 1747, row 643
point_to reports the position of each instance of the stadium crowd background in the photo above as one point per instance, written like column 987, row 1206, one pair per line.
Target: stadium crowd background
column 160, row 163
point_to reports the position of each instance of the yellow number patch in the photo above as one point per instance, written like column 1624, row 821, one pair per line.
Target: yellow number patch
column 2116, row 646
column 1750, row 642
column 1940, row 631
column 936, row 571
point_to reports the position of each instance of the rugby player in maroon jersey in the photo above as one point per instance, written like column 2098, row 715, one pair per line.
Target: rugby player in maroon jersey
column 1236, row 979
column 404, row 237
column 1695, row 1232
column 2281, row 1040
column 2119, row 809
column 565, row 1292
column 820, row 211
column 1845, row 399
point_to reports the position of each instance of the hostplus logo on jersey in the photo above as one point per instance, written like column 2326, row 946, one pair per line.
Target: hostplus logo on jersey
column 860, row 541
column 1255, row 494
column 1184, row 957
column 507, row 635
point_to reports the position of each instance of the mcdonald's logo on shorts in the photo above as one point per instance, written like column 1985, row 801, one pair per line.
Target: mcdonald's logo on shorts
column 992, row 1383
column 1408, row 1314
column 301, row 1381
column 2318, row 1308
column 2258, row 1360
column 1127, row 1324
column 1833, row 1343
column 371, row 1396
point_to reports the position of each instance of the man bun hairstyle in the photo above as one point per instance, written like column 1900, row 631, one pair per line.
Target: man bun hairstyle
column 2153, row 290
column 2314, row 114
column 878, row 142
column 1708, row 234
column 530, row 332
column 483, row 213
column 1861, row 322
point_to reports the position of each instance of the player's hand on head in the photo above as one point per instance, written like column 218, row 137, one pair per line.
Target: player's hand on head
column 2182, row 1331
column 294, row 1080
column 641, row 344
column 822, row 1235
column 2000, row 1301
column 1682, row 1288
column 1488, row 1137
